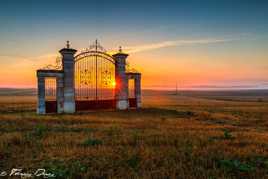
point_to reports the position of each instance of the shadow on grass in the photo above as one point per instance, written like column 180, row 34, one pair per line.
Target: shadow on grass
column 143, row 112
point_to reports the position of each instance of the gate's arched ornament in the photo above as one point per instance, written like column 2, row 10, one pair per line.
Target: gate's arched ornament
column 89, row 52
column 88, row 80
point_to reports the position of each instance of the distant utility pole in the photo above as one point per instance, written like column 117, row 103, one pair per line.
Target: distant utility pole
column 176, row 92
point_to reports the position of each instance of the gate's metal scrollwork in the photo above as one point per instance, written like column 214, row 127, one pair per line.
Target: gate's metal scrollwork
column 87, row 81
column 94, row 74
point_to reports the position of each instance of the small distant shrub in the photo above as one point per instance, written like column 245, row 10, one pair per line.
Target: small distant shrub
column 92, row 142
column 133, row 161
column 38, row 132
column 227, row 134
column 236, row 166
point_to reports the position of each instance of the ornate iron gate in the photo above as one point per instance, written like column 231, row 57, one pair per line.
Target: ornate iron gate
column 50, row 94
column 94, row 79
column 87, row 81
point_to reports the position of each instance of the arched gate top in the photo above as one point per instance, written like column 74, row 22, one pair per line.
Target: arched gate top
column 95, row 50
column 88, row 53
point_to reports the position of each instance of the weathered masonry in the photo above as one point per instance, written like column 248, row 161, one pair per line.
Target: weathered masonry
column 91, row 79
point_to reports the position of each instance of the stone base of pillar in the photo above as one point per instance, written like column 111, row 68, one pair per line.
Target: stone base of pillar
column 41, row 110
column 60, row 108
column 69, row 107
column 138, row 103
column 122, row 104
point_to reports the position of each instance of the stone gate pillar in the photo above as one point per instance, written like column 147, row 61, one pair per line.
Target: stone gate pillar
column 68, row 70
column 60, row 94
column 41, row 103
column 121, row 89
column 137, row 84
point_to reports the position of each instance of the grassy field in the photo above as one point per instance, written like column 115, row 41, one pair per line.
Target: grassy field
column 190, row 135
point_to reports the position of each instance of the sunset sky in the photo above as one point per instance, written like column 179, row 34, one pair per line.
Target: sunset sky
column 195, row 43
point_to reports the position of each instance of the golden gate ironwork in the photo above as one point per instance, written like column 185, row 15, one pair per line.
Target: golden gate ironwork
column 94, row 74
column 88, row 81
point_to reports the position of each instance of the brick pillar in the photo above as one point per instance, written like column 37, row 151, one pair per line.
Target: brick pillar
column 41, row 103
column 68, row 82
column 138, row 89
column 60, row 95
column 121, row 90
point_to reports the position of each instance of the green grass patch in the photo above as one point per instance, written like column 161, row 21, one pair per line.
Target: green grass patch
column 236, row 166
column 92, row 142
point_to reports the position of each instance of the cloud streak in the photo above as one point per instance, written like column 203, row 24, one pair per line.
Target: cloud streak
column 20, row 57
column 173, row 43
column 131, row 49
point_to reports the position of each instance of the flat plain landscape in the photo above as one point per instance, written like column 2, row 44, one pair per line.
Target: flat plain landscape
column 194, row 134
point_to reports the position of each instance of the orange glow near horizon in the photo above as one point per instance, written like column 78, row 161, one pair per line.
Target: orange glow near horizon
column 160, row 70
column 200, row 44
column 159, row 76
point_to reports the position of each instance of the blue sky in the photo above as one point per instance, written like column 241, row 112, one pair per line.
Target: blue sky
column 31, row 29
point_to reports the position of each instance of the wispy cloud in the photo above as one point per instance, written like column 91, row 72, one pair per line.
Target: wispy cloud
column 20, row 57
column 28, row 62
column 131, row 49
column 172, row 43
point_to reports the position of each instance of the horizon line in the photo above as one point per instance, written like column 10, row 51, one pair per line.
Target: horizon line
column 167, row 88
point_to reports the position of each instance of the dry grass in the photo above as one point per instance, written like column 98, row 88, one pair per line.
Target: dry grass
column 172, row 137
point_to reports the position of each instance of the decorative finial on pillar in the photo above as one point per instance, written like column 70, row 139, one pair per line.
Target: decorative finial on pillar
column 120, row 49
column 68, row 44
column 67, row 49
column 96, row 44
